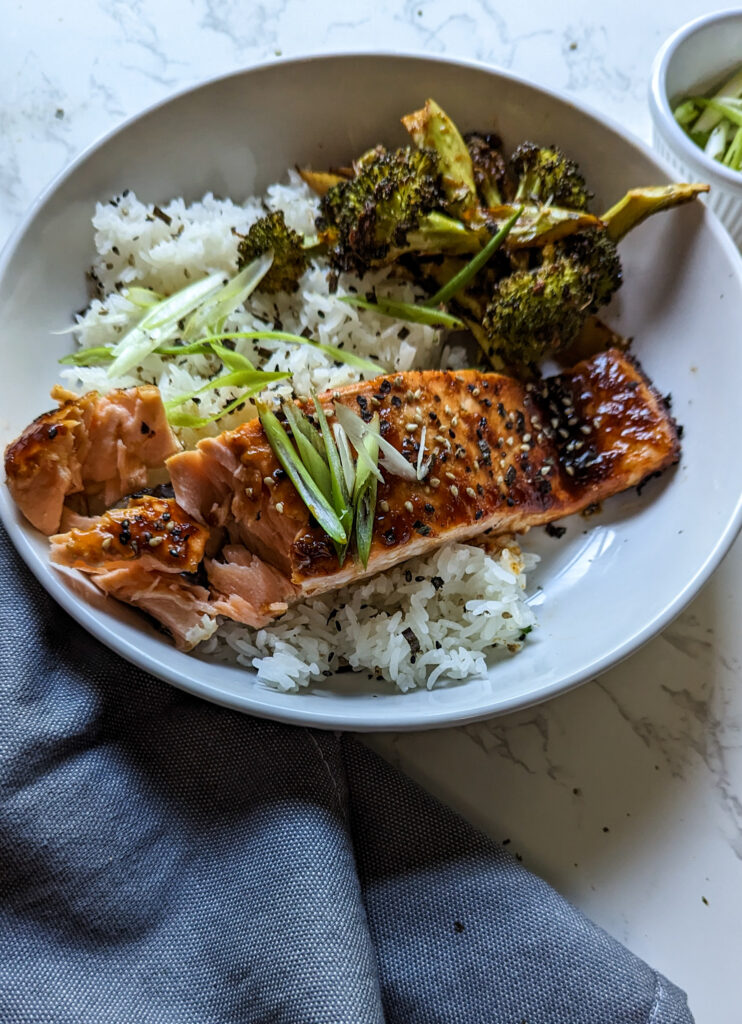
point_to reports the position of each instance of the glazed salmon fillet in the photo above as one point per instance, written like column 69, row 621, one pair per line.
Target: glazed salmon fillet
column 506, row 456
column 100, row 446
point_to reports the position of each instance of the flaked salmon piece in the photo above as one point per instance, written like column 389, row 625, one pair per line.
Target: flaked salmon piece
column 131, row 551
column 506, row 456
column 153, row 532
column 139, row 554
column 102, row 446
column 179, row 605
column 246, row 589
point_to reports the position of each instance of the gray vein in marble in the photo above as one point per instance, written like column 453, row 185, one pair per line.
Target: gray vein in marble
column 108, row 97
column 501, row 735
column 131, row 17
column 695, row 726
column 229, row 18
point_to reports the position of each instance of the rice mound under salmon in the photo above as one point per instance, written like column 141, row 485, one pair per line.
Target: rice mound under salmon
column 428, row 620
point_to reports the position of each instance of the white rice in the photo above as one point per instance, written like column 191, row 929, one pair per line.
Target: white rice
column 428, row 620
column 398, row 625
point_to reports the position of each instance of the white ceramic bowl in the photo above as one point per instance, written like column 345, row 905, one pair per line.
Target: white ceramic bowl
column 614, row 580
column 695, row 59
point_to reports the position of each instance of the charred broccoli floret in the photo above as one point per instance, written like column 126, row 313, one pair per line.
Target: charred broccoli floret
column 597, row 256
column 545, row 174
column 489, row 166
column 533, row 312
column 541, row 310
column 290, row 258
column 368, row 217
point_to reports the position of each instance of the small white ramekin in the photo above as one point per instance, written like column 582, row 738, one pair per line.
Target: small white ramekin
column 695, row 59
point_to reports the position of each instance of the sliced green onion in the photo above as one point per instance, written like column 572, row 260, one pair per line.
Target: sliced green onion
column 364, row 468
column 406, row 311
column 339, row 487
column 423, row 467
column 729, row 108
column 300, row 421
column 365, row 490
column 733, row 156
column 178, row 418
column 142, row 297
column 202, row 347
column 209, row 317
column 159, row 324
column 686, row 113
column 472, row 268
column 236, row 379
column 95, row 356
column 338, row 354
column 716, row 145
column 314, row 462
column 231, row 359
column 99, row 354
column 731, row 89
column 346, row 456
column 297, row 473
column 356, row 429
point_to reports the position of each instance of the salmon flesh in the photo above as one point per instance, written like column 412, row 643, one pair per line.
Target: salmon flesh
column 504, row 456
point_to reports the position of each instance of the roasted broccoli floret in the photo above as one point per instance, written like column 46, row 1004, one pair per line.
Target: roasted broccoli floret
column 534, row 312
column 366, row 219
column 545, row 174
column 596, row 255
column 290, row 257
column 489, row 166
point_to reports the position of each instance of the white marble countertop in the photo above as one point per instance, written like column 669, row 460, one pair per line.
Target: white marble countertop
column 627, row 793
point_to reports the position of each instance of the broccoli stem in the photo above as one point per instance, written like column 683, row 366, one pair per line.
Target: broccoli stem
column 437, row 233
column 640, row 203
column 536, row 226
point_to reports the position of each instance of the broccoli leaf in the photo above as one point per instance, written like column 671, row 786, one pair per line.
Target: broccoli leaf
column 432, row 128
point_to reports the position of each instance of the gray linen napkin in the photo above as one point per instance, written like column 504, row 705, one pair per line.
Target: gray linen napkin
column 165, row 860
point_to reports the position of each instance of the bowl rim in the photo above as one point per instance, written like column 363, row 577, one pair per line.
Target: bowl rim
column 268, row 705
column 661, row 110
